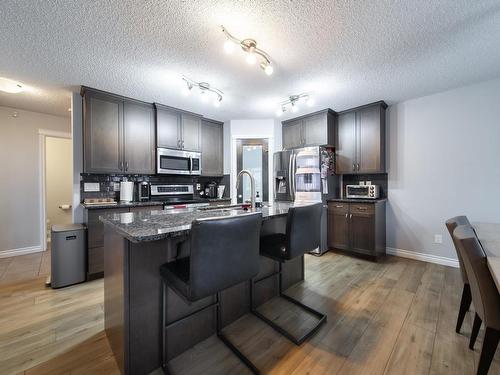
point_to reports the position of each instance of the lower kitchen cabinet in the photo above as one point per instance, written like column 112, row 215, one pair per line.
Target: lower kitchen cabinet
column 95, row 233
column 357, row 227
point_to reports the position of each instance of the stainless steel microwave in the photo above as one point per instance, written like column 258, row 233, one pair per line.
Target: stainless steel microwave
column 181, row 162
column 362, row 191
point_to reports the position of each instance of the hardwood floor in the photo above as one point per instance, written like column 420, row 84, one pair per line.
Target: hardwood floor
column 392, row 317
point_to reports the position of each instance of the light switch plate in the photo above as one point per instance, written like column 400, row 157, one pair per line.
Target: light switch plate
column 91, row 187
column 438, row 238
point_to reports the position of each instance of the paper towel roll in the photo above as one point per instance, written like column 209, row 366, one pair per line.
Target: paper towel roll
column 126, row 191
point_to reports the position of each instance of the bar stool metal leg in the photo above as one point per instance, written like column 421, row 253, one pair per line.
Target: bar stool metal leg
column 288, row 335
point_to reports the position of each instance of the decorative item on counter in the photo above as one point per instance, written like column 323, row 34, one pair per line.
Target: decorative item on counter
column 258, row 201
column 220, row 191
column 99, row 201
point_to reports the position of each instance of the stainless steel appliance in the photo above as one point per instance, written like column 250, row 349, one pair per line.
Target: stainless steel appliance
column 362, row 191
column 176, row 196
column 307, row 175
column 142, row 191
column 178, row 162
column 211, row 189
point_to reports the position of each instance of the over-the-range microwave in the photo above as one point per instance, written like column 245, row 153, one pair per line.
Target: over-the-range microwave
column 181, row 162
column 362, row 191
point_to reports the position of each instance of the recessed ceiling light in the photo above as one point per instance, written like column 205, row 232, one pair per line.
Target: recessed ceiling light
column 10, row 86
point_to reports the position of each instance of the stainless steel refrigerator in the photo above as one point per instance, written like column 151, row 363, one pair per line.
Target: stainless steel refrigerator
column 307, row 175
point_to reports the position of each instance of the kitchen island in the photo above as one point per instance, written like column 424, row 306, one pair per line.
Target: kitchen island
column 136, row 244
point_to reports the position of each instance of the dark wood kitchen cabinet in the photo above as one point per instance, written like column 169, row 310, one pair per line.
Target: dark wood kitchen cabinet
column 177, row 129
column 118, row 134
column 310, row 130
column 360, row 143
column 357, row 227
column 212, row 148
column 95, row 235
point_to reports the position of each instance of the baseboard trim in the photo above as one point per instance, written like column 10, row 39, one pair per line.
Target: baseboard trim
column 423, row 257
column 20, row 251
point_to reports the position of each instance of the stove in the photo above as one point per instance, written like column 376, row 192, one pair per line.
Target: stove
column 176, row 196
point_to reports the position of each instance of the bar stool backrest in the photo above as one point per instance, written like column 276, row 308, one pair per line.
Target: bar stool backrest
column 224, row 252
column 451, row 224
column 484, row 292
column 303, row 229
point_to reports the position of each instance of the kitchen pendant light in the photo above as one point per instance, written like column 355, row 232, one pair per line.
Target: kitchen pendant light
column 249, row 46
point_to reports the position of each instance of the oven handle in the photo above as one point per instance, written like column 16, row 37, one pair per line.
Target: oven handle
column 190, row 165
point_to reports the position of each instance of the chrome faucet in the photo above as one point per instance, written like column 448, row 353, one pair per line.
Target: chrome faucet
column 252, row 184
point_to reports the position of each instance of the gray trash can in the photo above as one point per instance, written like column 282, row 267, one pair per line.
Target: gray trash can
column 68, row 254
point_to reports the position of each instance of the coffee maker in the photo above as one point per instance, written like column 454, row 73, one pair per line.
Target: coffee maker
column 142, row 191
column 211, row 189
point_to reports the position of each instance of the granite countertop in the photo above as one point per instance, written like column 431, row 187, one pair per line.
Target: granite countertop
column 122, row 205
column 157, row 225
column 356, row 200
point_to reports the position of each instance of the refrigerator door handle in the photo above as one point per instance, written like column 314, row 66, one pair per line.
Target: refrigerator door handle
column 290, row 175
column 294, row 162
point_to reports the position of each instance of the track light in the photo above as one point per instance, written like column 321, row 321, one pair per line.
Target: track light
column 292, row 103
column 206, row 91
column 10, row 86
column 250, row 47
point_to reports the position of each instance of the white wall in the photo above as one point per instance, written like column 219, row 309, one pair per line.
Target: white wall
column 444, row 160
column 20, row 171
column 239, row 129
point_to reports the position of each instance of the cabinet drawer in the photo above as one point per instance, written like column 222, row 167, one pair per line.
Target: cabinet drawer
column 338, row 207
column 360, row 208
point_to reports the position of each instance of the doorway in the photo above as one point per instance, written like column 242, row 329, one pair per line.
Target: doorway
column 56, row 156
column 253, row 155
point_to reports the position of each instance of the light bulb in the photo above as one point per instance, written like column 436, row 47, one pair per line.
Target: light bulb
column 204, row 97
column 228, row 47
column 310, row 101
column 10, row 86
column 185, row 91
column 279, row 112
column 269, row 69
column 251, row 59
column 295, row 108
column 216, row 103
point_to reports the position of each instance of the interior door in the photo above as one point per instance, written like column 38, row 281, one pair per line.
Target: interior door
column 253, row 155
column 139, row 144
column 368, row 149
column 346, row 143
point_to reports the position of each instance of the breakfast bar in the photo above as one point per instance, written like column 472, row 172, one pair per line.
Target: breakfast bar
column 136, row 244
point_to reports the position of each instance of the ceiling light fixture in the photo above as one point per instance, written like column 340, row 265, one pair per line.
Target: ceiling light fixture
column 205, row 90
column 10, row 86
column 291, row 103
column 249, row 46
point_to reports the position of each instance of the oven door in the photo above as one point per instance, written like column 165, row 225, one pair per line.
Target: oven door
column 178, row 162
column 360, row 191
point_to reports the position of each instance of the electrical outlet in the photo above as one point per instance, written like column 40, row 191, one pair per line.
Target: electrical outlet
column 362, row 183
column 438, row 238
column 368, row 182
column 198, row 187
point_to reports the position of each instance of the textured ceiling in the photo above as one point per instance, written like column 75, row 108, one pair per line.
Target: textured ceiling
column 347, row 52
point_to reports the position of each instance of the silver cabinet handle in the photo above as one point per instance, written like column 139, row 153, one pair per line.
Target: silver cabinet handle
column 126, row 166
column 121, row 166
column 350, row 217
column 354, row 167
column 357, row 166
column 346, row 216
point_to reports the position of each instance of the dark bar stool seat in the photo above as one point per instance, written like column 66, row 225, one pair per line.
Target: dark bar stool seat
column 223, row 252
column 302, row 235
column 484, row 292
column 466, row 300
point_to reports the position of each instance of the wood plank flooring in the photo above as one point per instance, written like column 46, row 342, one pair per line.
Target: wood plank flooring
column 392, row 317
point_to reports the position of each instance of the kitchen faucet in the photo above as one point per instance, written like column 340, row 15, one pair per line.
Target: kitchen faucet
column 252, row 184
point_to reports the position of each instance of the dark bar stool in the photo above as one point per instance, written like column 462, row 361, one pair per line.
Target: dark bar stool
column 466, row 300
column 484, row 295
column 302, row 235
column 223, row 252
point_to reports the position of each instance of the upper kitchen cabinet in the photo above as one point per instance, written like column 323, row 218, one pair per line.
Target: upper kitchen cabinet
column 212, row 151
column 360, row 144
column 118, row 134
column 311, row 130
column 177, row 129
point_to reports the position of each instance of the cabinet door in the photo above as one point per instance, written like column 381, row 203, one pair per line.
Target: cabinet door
column 346, row 143
column 292, row 134
column 369, row 140
column 103, row 138
column 338, row 226
column 212, row 152
column 362, row 231
column 168, row 124
column 139, row 138
column 191, row 128
column 316, row 130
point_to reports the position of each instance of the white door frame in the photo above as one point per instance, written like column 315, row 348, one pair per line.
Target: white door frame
column 42, row 135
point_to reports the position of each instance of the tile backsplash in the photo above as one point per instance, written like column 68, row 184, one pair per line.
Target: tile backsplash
column 107, row 186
